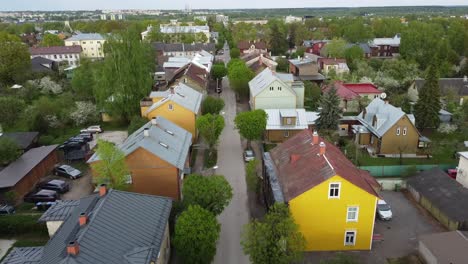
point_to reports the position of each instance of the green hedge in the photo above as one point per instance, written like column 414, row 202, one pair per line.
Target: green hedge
column 16, row 225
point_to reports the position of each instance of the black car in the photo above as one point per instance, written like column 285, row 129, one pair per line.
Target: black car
column 87, row 136
column 6, row 209
column 55, row 185
column 67, row 171
column 41, row 196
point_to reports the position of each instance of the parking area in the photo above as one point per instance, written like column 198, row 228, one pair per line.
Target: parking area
column 400, row 234
column 117, row 137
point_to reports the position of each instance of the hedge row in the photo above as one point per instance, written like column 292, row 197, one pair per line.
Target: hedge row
column 14, row 225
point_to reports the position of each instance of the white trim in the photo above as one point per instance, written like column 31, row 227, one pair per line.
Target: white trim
column 373, row 223
column 339, row 190
column 405, row 130
column 286, row 134
column 355, row 236
column 357, row 213
column 398, row 131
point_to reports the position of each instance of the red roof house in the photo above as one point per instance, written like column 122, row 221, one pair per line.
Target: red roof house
column 350, row 93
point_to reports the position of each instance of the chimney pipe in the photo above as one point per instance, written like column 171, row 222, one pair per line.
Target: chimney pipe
column 73, row 248
column 315, row 138
column 83, row 219
column 172, row 90
column 146, row 132
column 322, row 148
column 154, row 122
column 102, row 190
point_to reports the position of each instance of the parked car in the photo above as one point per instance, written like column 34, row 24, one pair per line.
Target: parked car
column 248, row 155
column 41, row 195
column 92, row 129
column 55, row 185
column 86, row 136
column 384, row 212
column 67, row 171
column 6, row 209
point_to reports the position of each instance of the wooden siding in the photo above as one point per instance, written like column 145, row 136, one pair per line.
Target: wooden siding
column 393, row 144
column 279, row 135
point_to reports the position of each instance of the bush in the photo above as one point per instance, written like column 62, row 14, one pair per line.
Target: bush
column 211, row 157
column 15, row 225
column 136, row 123
column 212, row 105
column 251, row 176
column 46, row 140
column 9, row 150
column 447, row 128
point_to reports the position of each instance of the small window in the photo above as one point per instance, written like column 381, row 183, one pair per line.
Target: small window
column 352, row 214
column 334, row 191
column 286, row 134
column 279, row 88
column 405, row 130
column 398, row 131
column 350, row 238
column 271, row 88
column 128, row 179
column 84, row 42
column 170, row 107
column 288, row 121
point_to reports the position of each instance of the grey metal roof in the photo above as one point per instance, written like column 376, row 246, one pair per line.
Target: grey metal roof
column 24, row 255
column 274, row 119
column 86, row 36
column 23, row 139
column 174, row 47
column 444, row 193
column 165, row 133
column 265, row 78
column 59, row 211
column 456, row 85
column 272, row 175
column 12, row 174
column 123, row 228
column 182, row 94
column 364, row 47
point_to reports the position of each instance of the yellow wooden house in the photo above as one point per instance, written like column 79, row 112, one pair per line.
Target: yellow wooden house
column 332, row 201
column 179, row 104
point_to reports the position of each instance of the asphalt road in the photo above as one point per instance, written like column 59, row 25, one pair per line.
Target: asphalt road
column 231, row 165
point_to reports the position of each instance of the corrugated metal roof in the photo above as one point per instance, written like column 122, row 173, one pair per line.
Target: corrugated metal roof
column 386, row 114
column 24, row 255
column 265, row 78
column 59, row 211
column 86, row 36
column 55, row 50
column 311, row 117
column 12, row 174
column 274, row 119
column 182, row 95
column 166, row 140
column 173, row 29
column 23, row 139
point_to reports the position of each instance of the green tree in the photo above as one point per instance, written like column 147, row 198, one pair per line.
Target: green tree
column 15, row 60
column 136, row 123
column 239, row 76
column 251, row 125
column 212, row 105
column 234, row 53
column 311, row 95
column 426, row 110
column 212, row 193
column 10, row 110
column 330, row 111
column 124, row 76
column 283, row 65
column 195, row 235
column 83, row 80
column 253, row 183
column 386, row 27
column 218, row 71
column 111, row 168
column 340, row 258
column 353, row 55
column 277, row 37
column 276, row 239
column 210, row 128
column 335, row 48
column 9, row 150
column 51, row 40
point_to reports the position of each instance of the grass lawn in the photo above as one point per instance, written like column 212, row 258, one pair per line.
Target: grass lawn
column 410, row 259
column 366, row 160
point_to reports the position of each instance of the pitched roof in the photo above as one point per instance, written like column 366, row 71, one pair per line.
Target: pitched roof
column 387, row 115
column 182, row 95
column 265, row 78
column 86, row 36
column 122, row 228
column 301, row 62
column 331, row 61
column 166, row 140
column 173, row 47
column 243, row 44
column 12, row 174
column 362, row 88
column 341, row 91
column 395, row 41
column 41, row 64
column 24, row 255
column 59, row 211
column 275, row 116
column 447, row 247
column 55, row 50
column 197, row 74
column 443, row 192
column 456, row 85
column 23, row 139
column 308, row 169
column 364, row 47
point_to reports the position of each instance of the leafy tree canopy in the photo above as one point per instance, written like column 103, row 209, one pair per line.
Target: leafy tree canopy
column 330, row 111
column 210, row 128
column 252, row 124
column 9, row 150
column 50, row 40
column 212, row 105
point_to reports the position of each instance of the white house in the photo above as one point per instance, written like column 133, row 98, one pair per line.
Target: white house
column 91, row 43
column 462, row 169
column 270, row 90
column 68, row 54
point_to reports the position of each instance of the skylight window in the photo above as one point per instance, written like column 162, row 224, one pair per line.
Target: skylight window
column 181, row 95
column 164, row 144
column 169, row 132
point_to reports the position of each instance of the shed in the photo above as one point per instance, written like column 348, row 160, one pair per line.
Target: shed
column 25, row 140
column 446, row 247
column 21, row 175
column 442, row 196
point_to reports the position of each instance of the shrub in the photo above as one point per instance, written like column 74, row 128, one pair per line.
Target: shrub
column 136, row 123
column 14, row 225
column 85, row 113
column 212, row 105
column 251, row 176
column 210, row 160
column 447, row 128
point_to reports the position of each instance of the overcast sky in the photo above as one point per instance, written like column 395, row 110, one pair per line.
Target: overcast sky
column 15, row 5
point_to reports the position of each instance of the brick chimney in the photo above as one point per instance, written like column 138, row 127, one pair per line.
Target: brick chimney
column 294, row 158
column 73, row 248
column 83, row 219
column 154, row 122
column 315, row 138
column 102, row 190
column 322, row 148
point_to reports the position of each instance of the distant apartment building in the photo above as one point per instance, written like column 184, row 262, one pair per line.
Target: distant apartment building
column 68, row 54
column 292, row 19
column 92, row 44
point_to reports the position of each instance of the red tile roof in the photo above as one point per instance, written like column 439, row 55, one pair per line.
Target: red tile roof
column 243, row 44
column 341, row 91
column 300, row 167
column 55, row 50
column 362, row 88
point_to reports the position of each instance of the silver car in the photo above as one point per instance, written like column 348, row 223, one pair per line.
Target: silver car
column 249, row 155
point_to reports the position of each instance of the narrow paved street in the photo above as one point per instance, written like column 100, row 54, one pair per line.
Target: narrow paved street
column 231, row 165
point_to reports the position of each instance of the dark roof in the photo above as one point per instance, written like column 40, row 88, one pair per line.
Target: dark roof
column 299, row 168
column 41, row 64
column 59, row 211
column 12, row 174
column 447, row 247
column 455, row 85
column 23, row 139
column 364, row 47
column 243, row 44
column 24, row 255
column 197, row 74
column 55, row 50
column 122, row 228
column 173, row 47
column 449, row 196
column 317, row 77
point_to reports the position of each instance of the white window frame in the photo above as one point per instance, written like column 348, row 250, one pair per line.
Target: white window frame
column 339, row 190
column 398, row 131
column 354, row 237
column 405, row 131
column 356, row 213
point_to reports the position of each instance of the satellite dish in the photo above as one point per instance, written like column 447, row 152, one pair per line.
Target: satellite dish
column 383, row 96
